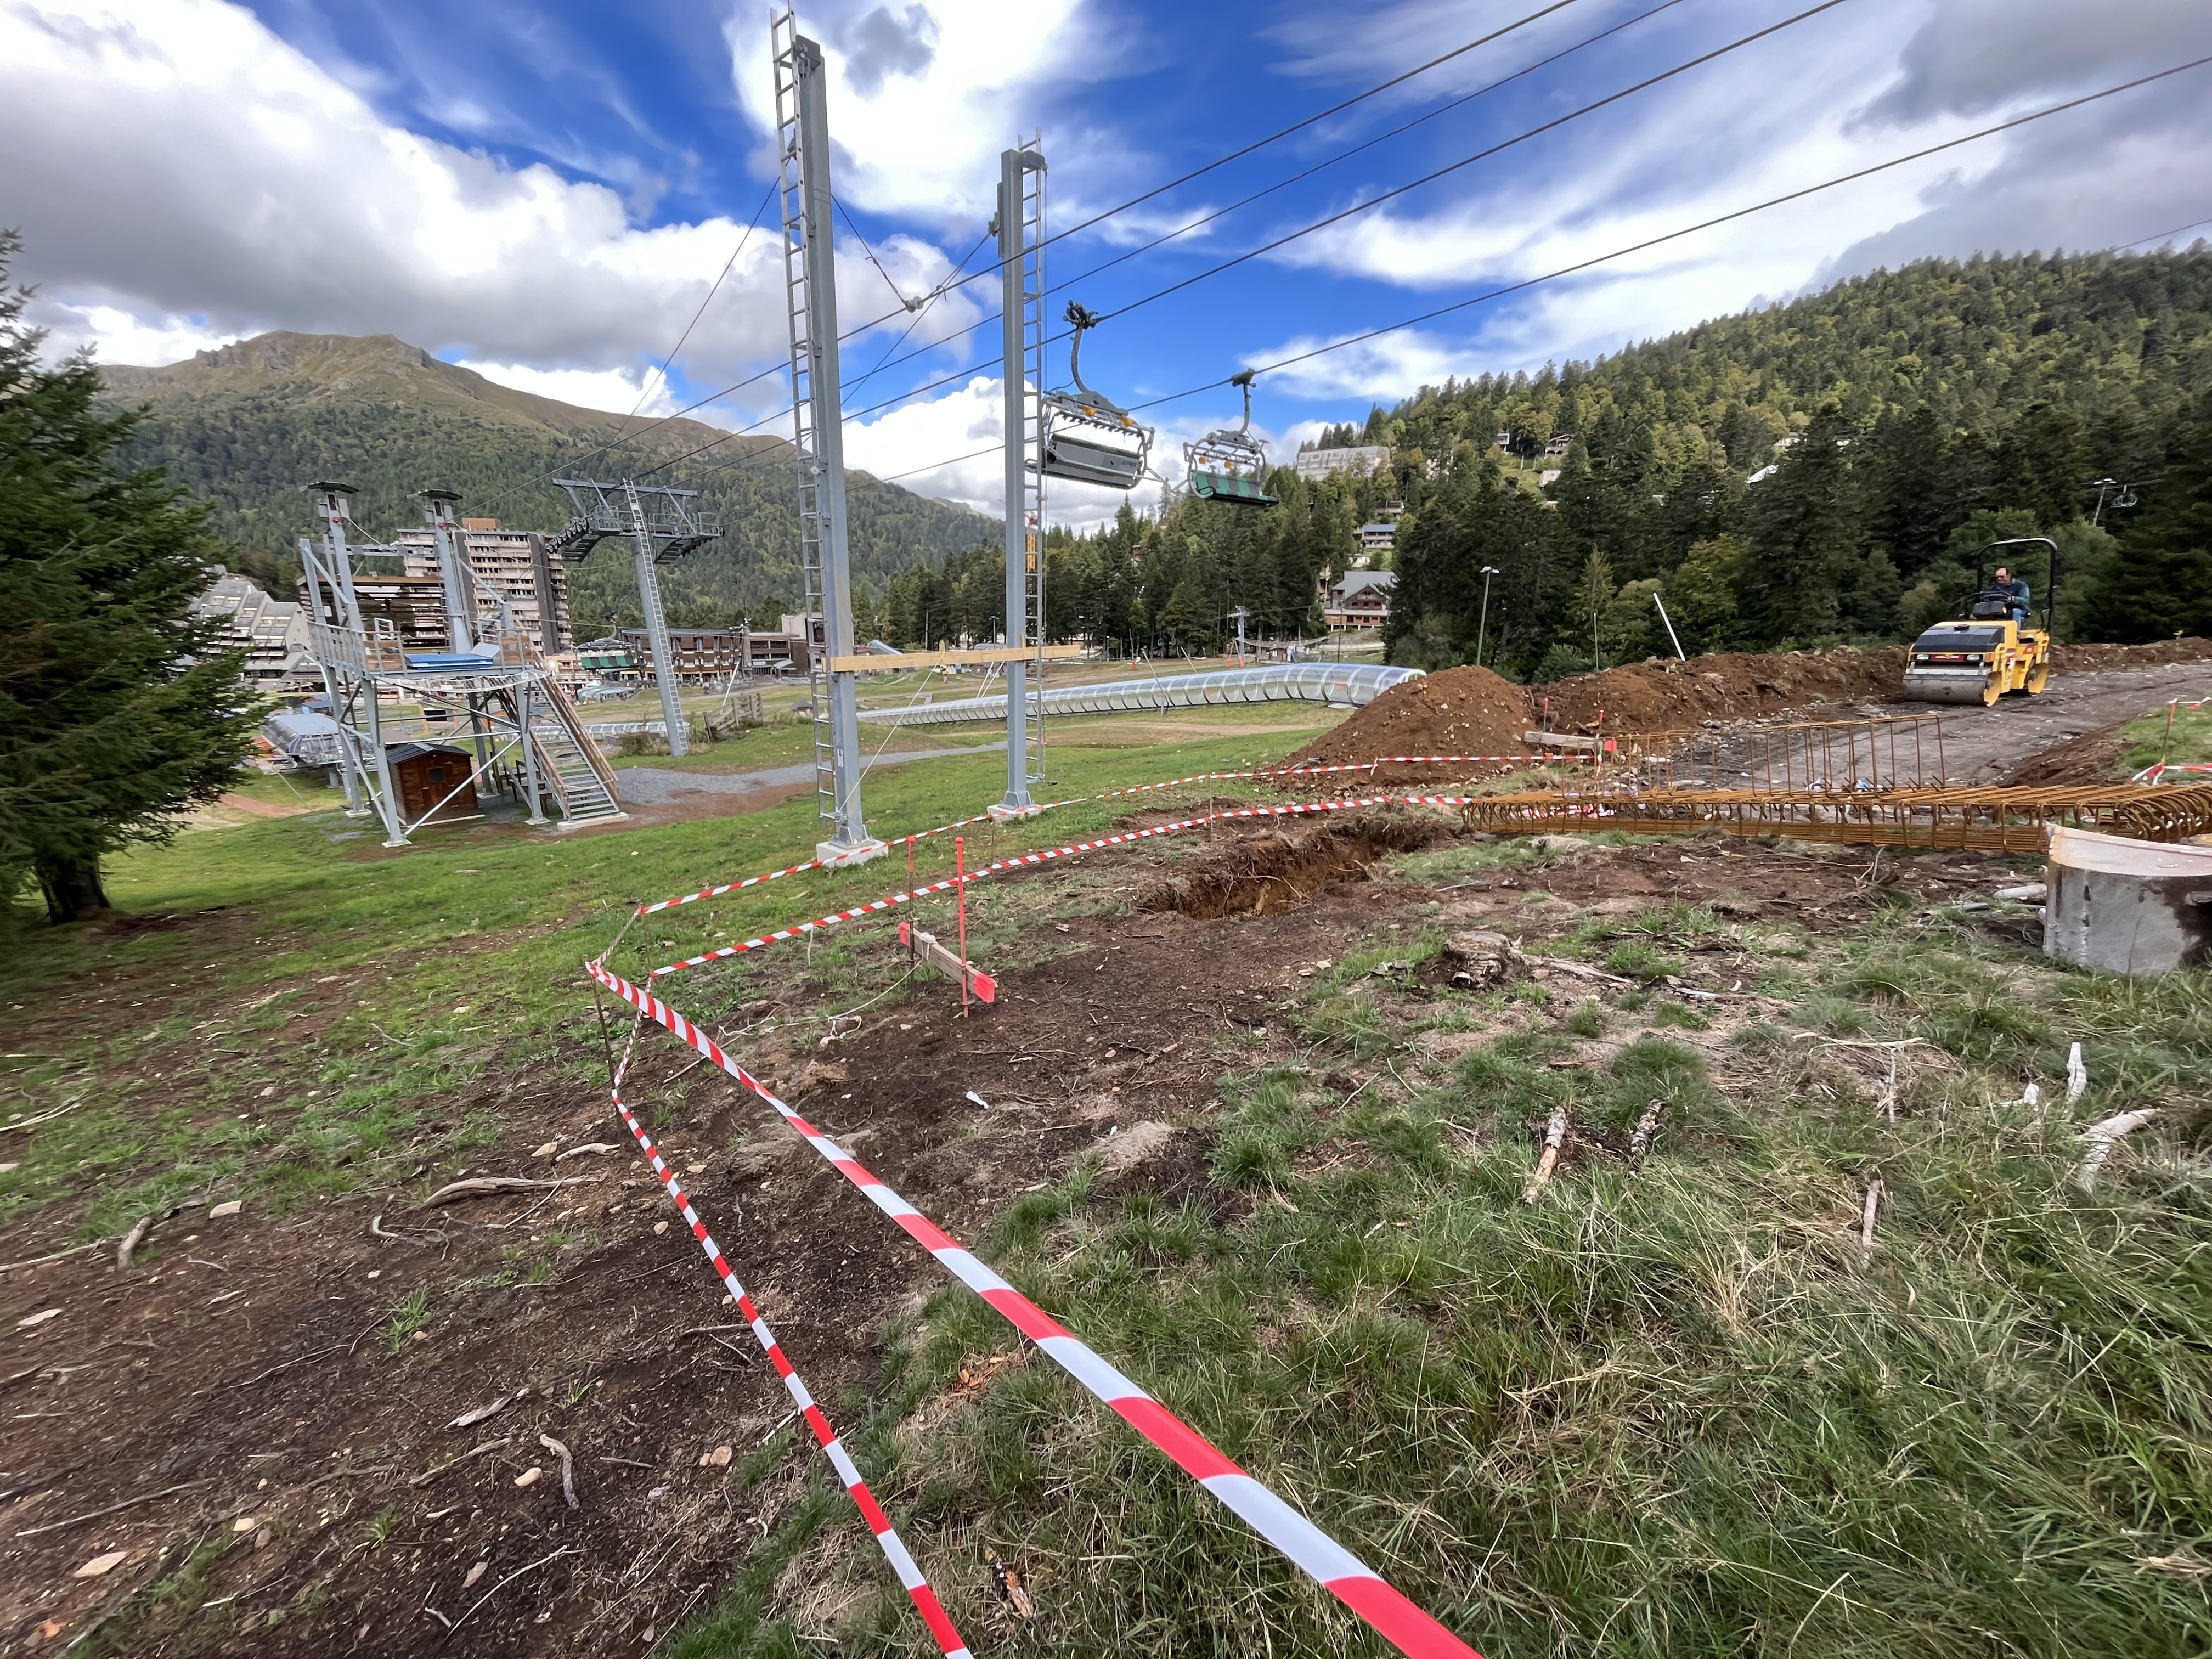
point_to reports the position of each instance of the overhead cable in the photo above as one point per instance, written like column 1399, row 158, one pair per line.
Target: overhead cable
column 1134, row 201
column 1654, row 241
column 1381, row 137
column 1175, row 286
column 1469, row 160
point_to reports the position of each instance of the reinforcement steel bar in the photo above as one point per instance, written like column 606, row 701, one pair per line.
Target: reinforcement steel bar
column 1989, row 820
column 1349, row 685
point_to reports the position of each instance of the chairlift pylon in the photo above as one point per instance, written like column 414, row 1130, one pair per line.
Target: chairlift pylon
column 1230, row 465
column 1087, row 436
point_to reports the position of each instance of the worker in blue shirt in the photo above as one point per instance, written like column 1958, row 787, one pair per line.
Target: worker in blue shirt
column 2014, row 590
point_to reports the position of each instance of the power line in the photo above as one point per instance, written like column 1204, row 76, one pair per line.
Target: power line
column 631, row 440
column 1469, row 160
column 2163, row 234
column 728, row 264
column 1382, row 137
column 1721, row 219
column 1299, row 126
column 1671, row 235
column 1226, row 264
column 905, row 304
column 1441, row 109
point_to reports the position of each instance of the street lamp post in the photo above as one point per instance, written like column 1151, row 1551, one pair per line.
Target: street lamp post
column 1482, row 629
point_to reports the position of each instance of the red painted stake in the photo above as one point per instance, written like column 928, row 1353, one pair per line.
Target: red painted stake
column 960, row 887
column 910, row 855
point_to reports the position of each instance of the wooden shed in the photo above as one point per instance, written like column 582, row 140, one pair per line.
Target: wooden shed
column 425, row 773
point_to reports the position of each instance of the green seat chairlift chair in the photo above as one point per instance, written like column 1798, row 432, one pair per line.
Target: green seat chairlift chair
column 1228, row 466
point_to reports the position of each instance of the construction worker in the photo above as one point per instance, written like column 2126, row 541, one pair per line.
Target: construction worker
column 2014, row 589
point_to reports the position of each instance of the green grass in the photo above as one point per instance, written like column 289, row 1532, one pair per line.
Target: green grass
column 1672, row 1409
column 417, row 968
column 2187, row 740
column 1666, row 1409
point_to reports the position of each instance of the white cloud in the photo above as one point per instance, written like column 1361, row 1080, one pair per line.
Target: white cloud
column 924, row 97
column 1386, row 367
column 117, row 335
column 190, row 164
column 615, row 390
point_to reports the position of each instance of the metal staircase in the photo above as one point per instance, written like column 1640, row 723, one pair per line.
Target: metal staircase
column 792, row 198
column 580, row 773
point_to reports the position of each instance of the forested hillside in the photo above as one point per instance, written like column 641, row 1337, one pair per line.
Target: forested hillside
column 250, row 424
column 1815, row 472
column 1907, row 416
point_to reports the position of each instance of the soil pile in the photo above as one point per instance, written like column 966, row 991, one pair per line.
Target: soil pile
column 2093, row 758
column 1471, row 711
column 2102, row 659
column 1458, row 711
column 1662, row 696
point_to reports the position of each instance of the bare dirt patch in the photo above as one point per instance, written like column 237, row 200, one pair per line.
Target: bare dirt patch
column 281, row 1371
column 1269, row 873
column 1470, row 710
column 2093, row 758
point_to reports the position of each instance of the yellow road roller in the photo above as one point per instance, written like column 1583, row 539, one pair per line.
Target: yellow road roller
column 1997, row 648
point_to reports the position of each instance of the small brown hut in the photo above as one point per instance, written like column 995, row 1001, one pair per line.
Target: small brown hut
column 425, row 773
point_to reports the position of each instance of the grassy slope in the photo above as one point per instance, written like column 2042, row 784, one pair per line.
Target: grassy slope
column 456, row 957
column 1672, row 1409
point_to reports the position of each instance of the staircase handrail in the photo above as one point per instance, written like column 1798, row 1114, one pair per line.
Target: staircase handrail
column 565, row 711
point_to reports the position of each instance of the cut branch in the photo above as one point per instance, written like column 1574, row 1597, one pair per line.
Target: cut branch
column 2100, row 1138
column 1555, row 1136
column 139, row 1228
column 490, row 1186
column 568, row 1467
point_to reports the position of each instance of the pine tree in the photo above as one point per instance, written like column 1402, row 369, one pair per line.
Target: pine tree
column 2160, row 585
column 117, row 708
column 1806, row 532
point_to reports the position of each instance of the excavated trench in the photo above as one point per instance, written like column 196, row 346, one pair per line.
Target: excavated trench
column 1267, row 873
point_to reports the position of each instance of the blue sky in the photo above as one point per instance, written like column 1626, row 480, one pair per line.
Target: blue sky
column 546, row 191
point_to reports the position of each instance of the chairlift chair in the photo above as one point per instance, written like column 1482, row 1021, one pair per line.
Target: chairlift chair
column 1087, row 437
column 1230, row 465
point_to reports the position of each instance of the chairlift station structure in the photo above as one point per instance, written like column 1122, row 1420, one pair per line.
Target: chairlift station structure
column 492, row 686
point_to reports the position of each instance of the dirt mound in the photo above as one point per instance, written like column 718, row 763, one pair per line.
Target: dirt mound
column 2103, row 658
column 1661, row 696
column 2093, row 758
column 1458, row 711
column 1471, row 711
column 1269, row 873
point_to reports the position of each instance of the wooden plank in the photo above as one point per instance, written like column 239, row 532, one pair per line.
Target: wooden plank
column 1560, row 740
column 948, row 963
column 983, row 656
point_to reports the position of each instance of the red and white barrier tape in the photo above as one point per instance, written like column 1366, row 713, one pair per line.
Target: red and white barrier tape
column 894, row 1548
column 799, row 930
column 1412, row 760
column 1401, row 1622
column 813, row 864
column 1110, row 794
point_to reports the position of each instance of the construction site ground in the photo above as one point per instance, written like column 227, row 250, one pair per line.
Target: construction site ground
column 1255, row 1116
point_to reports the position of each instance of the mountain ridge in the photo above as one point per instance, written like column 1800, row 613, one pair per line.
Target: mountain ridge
column 248, row 425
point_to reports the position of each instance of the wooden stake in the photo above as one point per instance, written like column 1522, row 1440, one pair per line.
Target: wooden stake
column 606, row 1039
column 960, row 887
column 1555, row 1135
column 138, row 1231
column 1873, row 1195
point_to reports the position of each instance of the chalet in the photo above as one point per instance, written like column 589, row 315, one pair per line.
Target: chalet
column 1360, row 598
